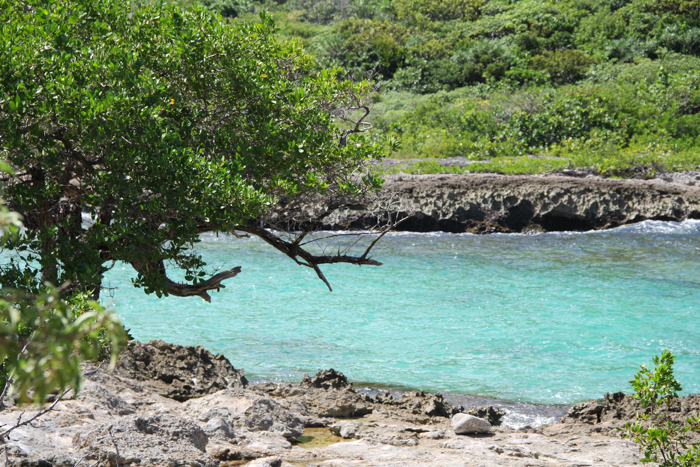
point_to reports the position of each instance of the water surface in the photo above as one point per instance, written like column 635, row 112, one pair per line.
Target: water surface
column 552, row 318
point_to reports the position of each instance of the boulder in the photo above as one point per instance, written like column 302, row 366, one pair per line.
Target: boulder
column 334, row 403
column 346, row 430
column 246, row 411
column 417, row 406
column 218, row 428
column 99, row 396
column 585, row 412
column 326, row 379
column 464, row 424
column 178, row 372
column 263, row 444
column 268, row 415
column 146, row 440
column 489, row 413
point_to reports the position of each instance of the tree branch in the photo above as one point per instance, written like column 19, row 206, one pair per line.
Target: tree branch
column 187, row 290
column 304, row 257
column 20, row 423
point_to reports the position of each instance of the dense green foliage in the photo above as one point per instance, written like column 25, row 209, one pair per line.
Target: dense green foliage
column 43, row 338
column 664, row 442
column 160, row 123
column 522, row 85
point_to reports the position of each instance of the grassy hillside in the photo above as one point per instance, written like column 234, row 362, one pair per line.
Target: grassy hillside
column 519, row 85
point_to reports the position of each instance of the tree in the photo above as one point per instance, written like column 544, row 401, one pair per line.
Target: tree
column 43, row 338
column 135, row 129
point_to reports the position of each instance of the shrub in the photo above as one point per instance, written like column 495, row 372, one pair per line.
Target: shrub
column 563, row 66
column 420, row 11
column 663, row 441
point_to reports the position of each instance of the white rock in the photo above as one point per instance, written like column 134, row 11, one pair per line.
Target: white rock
column 464, row 424
column 432, row 435
column 346, row 430
column 218, row 427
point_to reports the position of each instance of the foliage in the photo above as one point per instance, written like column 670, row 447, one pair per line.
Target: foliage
column 563, row 66
column 229, row 8
column 639, row 120
column 663, row 441
column 131, row 134
column 635, row 59
column 329, row 11
column 226, row 8
column 43, row 338
column 421, row 11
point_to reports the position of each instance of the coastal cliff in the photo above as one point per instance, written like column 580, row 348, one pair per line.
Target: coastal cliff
column 485, row 203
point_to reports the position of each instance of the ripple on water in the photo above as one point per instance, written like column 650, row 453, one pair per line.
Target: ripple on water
column 551, row 318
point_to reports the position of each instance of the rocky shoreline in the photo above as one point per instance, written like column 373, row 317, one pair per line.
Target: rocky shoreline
column 486, row 203
column 172, row 405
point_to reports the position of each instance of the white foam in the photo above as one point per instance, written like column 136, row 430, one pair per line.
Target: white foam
column 516, row 420
column 686, row 227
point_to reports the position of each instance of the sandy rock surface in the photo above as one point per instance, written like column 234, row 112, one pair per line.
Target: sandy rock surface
column 286, row 424
column 484, row 203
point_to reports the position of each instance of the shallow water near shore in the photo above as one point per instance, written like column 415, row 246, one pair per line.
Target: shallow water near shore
column 551, row 318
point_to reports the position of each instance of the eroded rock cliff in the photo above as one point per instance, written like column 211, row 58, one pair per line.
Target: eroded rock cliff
column 487, row 203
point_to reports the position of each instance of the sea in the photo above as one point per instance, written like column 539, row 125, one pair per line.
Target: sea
column 528, row 322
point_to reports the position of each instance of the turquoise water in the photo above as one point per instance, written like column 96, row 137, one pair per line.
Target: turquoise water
column 548, row 318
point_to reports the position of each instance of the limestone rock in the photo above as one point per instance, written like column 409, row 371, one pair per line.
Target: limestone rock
column 326, row 379
column 337, row 404
column 484, row 203
column 620, row 407
column 488, row 412
column 440, row 434
column 218, row 428
column 263, row 444
column 346, row 430
column 178, row 372
column 98, row 396
column 246, row 411
column 463, row 424
column 155, row 440
column 417, row 407
column 268, row 415
column 586, row 412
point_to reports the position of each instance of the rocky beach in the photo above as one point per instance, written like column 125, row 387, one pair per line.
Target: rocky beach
column 172, row 405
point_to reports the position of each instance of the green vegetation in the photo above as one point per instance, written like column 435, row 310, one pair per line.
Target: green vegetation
column 43, row 338
column 520, row 85
column 663, row 441
column 128, row 130
column 161, row 124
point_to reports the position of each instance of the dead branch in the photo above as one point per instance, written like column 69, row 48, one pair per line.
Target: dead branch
column 92, row 372
column 354, row 102
column 187, row 290
column 305, row 258
column 9, row 379
column 20, row 423
column 116, row 448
